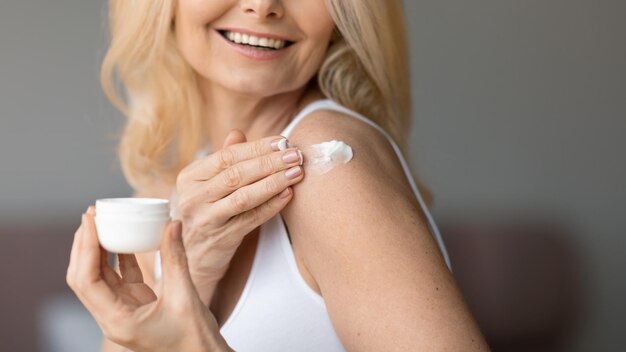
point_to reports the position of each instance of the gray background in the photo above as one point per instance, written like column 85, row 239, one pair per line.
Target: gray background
column 518, row 105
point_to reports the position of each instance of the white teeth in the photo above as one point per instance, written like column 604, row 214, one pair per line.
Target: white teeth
column 241, row 38
column 252, row 40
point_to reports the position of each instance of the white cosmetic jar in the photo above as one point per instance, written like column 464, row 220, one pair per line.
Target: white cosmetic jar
column 131, row 225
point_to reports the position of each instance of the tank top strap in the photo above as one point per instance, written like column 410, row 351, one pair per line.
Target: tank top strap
column 329, row 104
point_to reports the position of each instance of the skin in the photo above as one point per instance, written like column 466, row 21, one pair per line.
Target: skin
column 127, row 310
column 358, row 234
column 258, row 98
column 363, row 240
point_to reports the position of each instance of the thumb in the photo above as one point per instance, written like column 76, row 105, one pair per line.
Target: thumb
column 234, row 137
column 176, row 277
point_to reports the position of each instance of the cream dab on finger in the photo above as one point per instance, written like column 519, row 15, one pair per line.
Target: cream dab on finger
column 284, row 144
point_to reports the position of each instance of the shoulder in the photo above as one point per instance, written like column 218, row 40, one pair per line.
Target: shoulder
column 344, row 207
column 362, row 238
column 373, row 159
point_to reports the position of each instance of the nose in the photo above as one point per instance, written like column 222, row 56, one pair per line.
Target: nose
column 263, row 8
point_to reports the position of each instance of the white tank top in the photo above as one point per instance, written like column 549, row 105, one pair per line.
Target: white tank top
column 277, row 310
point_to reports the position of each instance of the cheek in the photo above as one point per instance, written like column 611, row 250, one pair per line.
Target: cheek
column 191, row 27
column 213, row 61
column 315, row 21
column 313, row 55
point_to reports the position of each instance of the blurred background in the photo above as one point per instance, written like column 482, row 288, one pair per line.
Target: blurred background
column 519, row 118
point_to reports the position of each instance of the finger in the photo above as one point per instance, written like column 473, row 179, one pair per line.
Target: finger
column 224, row 158
column 72, row 265
column 104, row 258
column 261, row 214
column 90, row 209
column 176, row 277
column 108, row 274
column 253, row 195
column 94, row 292
column 90, row 255
column 131, row 273
column 247, row 172
column 234, row 137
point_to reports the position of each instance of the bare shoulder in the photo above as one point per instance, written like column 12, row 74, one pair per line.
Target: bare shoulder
column 374, row 159
column 361, row 236
column 366, row 197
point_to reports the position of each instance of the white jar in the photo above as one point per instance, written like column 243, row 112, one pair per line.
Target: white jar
column 131, row 225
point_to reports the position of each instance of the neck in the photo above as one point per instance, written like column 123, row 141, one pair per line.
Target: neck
column 255, row 116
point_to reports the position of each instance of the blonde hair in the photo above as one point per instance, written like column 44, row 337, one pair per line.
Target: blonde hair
column 366, row 69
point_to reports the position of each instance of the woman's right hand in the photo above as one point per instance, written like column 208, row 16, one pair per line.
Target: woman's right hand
column 224, row 196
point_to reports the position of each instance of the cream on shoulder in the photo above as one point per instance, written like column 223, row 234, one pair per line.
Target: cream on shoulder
column 322, row 157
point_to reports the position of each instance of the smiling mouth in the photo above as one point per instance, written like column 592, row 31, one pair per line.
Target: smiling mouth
column 252, row 41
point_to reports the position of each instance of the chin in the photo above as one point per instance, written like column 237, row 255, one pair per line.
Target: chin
column 257, row 86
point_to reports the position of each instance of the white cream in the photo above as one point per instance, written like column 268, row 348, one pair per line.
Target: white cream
column 325, row 156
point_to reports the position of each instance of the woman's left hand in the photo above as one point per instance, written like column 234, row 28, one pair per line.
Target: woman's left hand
column 127, row 310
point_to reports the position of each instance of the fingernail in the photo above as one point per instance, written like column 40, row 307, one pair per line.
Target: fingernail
column 279, row 144
column 91, row 210
column 176, row 230
column 293, row 172
column 291, row 156
column 285, row 193
column 300, row 157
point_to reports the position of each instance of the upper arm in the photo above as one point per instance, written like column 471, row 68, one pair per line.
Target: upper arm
column 362, row 237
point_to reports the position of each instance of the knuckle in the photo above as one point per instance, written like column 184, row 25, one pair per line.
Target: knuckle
column 181, row 178
column 226, row 158
column 239, row 201
column 183, row 209
column 258, row 148
column 232, row 177
column 272, row 185
column 266, row 164
column 200, row 225
column 254, row 216
column 188, row 205
column 190, row 238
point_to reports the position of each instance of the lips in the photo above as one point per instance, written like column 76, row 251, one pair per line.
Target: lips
column 254, row 41
column 268, row 41
column 266, row 48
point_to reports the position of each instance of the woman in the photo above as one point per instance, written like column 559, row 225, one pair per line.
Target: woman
column 345, row 258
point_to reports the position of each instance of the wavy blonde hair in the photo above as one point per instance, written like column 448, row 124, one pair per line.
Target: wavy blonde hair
column 366, row 69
